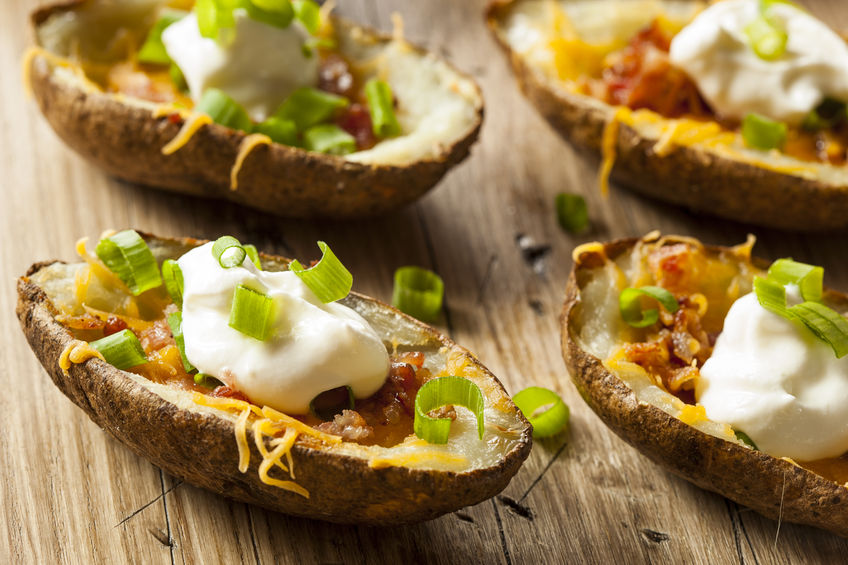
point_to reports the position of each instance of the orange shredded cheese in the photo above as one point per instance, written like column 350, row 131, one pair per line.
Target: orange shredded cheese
column 408, row 459
column 190, row 127
column 77, row 352
column 594, row 247
column 247, row 145
column 609, row 138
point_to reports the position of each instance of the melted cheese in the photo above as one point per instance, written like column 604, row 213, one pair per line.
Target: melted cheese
column 190, row 127
column 608, row 146
column 77, row 352
column 247, row 145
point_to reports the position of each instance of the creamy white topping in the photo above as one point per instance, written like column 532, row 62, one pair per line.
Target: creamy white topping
column 716, row 53
column 314, row 347
column 258, row 68
column 774, row 380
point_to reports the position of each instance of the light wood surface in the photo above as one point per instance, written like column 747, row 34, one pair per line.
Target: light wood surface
column 72, row 494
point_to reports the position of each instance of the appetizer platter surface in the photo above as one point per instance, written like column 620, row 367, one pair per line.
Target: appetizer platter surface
column 108, row 465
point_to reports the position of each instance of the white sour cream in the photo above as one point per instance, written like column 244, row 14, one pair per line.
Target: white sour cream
column 716, row 53
column 258, row 68
column 314, row 346
column 774, row 380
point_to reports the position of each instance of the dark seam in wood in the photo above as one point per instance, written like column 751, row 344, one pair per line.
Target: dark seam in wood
column 252, row 534
column 149, row 503
column 734, row 522
column 747, row 539
column 487, row 276
column 517, row 508
column 167, row 517
column 545, row 470
column 502, row 534
column 464, row 517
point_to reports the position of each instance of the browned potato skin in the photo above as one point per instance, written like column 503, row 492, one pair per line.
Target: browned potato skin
column 201, row 449
column 773, row 487
column 688, row 176
column 126, row 142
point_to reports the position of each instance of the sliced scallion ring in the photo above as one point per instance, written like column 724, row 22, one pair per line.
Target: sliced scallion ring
column 572, row 212
column 153, row 50
column 328, row 279
column 121, row 349
column 277, row 13
column 329, row 139
column 173, row 277
column 127, row 255
column 381, row 105
column 744, row 438
column 279, row 130
column 418, row 292
column 252, row 313
column 766, row 37
column 228, row 252
column 175, row 321
column 223, row 110
column 443, row 391
column 808, row 277
column 549, row 422
column 630, row 305
column 760, row 132
column 308, row 106
column 309, row 14
column 827, row 324
column 253, row 254
column 206, row 381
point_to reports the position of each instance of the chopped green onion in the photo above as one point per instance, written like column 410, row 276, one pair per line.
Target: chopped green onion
column 206, row 381
column 309, row 106
column 252, row 313
column 309, row 14
column 279, row 130
column 743, row 437
column 760, row 132
column 772, row 296
column 549, row 422
column 177, row 77
column 228, row 252
column 127, row 255
column 418, row 292
column 277, row 13
column 253, row 254
column 826, row 115
column 808, row 277
column 332, row 402
column 767, row 37
column 330, row 139
column 173, row 276
column 223, row 110
column 175, row 321
column 328, row 279
column 827, row 324
column 153, row 50
column 121, row 349
column 381, row 105
column 630, row 305
column 316, row 43
column 443, row 391
column 572, row 213
column 214, row 15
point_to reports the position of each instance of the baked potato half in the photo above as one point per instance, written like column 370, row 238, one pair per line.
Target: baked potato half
column 649, row 401
column 557, row 47
column 439, row 109
column 193, row 433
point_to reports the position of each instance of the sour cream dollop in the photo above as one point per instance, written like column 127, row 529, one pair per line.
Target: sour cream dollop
column 774, row 380
column 258, row 68
column 716, row 53
column 314, row 346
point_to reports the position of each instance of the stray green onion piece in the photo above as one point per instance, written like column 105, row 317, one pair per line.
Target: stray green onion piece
column 153, row 50
column 630, row 305
column 206, row 381
column 121, row 349
column 127, row 255
column 330, row 139
column 277, row 13
column 228, row 252
column 549, row 422
column 332, row 402
column 279, row 130
column 175, row 321
column 309, row 106
column 808, row 277
column 760, row 132
column 418, row 292
column 381, row 104
column 173, row 276
column 215, row 15
column 443, row 391
column 223, row 110
column 827, row 324
column 328, row 279
column 828, row 114
column 743, row 437
column 572, row 213
column 767, row 37
column 309, row 14
column 253, row 254
column 252, row 313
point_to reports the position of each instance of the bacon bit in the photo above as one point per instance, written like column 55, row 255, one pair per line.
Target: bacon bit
column 113, row 325
column 356, row 120
column 675, row 267
column 224, row 391
column 175, row 118
column 334, row 76
column 84, row 322
column 156, row 336
column 350, row 425
column 415, row 358
column 127, row 79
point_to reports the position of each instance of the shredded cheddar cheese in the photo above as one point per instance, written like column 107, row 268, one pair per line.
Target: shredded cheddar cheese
column 594, row 247
column 408, row 459
column 691, row 414
column 609, row 139
column 77, row 352
column 190, row 127
column 247, row 145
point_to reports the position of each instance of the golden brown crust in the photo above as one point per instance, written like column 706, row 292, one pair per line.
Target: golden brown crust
column 773, row 487
column 200, row 448
column 126, row 141
column 686, row 175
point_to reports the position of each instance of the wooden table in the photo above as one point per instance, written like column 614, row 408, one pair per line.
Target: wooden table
column 72, row 494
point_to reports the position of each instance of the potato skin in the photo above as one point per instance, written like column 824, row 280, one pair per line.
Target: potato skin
column 126, row 141
column 201, row 448
column 686, row 175
column 773, row 487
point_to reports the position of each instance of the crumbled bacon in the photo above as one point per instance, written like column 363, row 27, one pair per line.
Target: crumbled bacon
column 113, row 325
column 674, row 267
column 350, row 425
column 84, row 322
column 356, row 120
column 334, row 76
column 224, row 391
column 156, row 336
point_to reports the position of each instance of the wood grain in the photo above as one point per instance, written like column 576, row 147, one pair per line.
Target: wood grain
column 71, row 494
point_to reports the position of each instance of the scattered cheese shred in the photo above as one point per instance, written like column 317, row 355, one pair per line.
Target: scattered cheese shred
column 77, row 352
column 609, row 139
column 692, row 414
column 247, row 145
column 594, row 247
column 408, row 459
column 190, row 127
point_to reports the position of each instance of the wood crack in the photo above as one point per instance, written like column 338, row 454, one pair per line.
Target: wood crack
column 178, row 483
column 504, row 547
column 167, row 515
column 252, row 529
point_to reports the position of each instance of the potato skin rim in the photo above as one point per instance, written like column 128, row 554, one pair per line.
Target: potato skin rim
column 126, row 141
column 699, row 180
column 773, row 487
column 201, row 448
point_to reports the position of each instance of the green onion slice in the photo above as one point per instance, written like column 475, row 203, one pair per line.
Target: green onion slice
column 418, row 292
column 572, row 212
column 279, row 130
column 277, row 13
column 177, row 77
column 121, row 349
column 228, row 252
column 630, row 305
column 206, row 381
column 253, row 254
column 309, row 14
column 330, row 139
column 808, row 277
column 381, row 104
column 744, row 438
column 767, row 37
column 328, row 279
column 175, row 321
column 443, row 391
column 332, row 402
column 549, row 422
column 127, row 255
column 827, row 324
column 173, row 276
column 223, row 110
column 215, row 15
column 252, row 313
column 760, row 132
column 309, row 106
column 828, row 114
column 153, row 50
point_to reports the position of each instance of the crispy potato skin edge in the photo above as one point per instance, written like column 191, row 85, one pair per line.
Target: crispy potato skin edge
column 751, row 478
column 126, row 142
column 201, row 448
column 686, row 176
